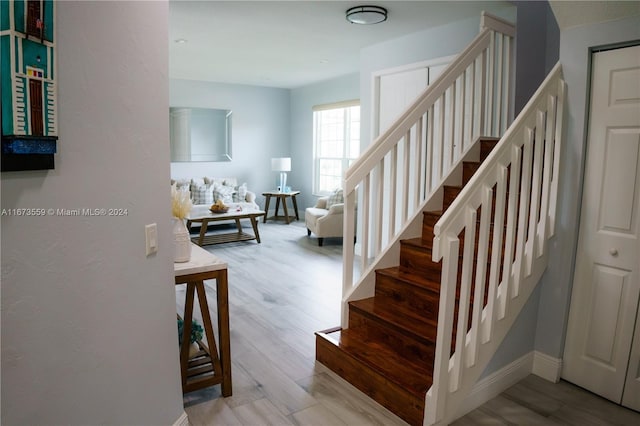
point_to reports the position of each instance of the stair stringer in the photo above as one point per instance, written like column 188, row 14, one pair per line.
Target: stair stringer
column 365, row 286
column 487, row 350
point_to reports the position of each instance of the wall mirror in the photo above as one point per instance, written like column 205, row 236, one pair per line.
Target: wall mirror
column 200, row 134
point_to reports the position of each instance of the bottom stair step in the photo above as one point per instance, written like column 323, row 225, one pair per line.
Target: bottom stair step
column 380, row 372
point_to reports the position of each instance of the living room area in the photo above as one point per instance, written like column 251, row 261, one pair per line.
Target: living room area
column 272, row 88
column 88, row 319
column 287, row 287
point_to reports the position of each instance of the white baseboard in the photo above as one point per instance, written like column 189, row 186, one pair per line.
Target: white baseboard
column 547, row 367
column 538, row 363
column 497, row 382
column 183, row 420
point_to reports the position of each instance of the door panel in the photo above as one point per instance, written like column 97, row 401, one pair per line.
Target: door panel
column 397, row 92
column 607, row 295
column 620, row 171
column 606, row 287
column 624, row 86
column 631, row 393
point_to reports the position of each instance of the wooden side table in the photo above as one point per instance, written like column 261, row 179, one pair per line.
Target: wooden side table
column 281, row 196
column 208, row 367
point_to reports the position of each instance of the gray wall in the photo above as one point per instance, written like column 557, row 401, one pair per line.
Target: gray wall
column 537, row 51
column 537, row 47
column 88, row 321
column 260, row 130
column 555, row 292
column 302, row 101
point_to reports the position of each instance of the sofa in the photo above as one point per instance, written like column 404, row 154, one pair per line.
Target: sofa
column 206, row 191
column 326, row 218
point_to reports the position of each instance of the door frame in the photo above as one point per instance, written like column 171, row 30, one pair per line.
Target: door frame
column 585, row 146
column 585, row 149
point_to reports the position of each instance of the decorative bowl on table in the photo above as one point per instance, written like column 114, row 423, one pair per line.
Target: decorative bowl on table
column 217, row 208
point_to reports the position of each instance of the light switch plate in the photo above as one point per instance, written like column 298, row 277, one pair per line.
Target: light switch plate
column 151, row 238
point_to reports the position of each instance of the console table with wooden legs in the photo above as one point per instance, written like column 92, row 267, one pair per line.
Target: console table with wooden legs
column 209, row 366
column 281, row 196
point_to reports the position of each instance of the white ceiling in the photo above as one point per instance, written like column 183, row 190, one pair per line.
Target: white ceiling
column 573, row 13
column 289, row 44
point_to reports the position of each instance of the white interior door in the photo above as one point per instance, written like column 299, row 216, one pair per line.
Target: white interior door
column 397, row 91
column 397, row 88
column 606, row 288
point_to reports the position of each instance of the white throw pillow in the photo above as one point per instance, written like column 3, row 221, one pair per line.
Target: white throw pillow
column 241, row 193
column 182, row 184
column 336, row 197
column 202, row 194
column 195, row 183
column 224, row 193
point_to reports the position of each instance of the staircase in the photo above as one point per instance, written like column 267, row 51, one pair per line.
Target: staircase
column 447, row 215
column 389, row 348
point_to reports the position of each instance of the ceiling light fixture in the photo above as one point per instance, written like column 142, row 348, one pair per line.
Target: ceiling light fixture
column 366, row 15
column 180, row 40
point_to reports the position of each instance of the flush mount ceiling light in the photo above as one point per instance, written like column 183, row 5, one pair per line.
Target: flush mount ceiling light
column 366, row 15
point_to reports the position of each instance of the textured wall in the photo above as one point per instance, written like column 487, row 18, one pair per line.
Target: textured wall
column 88, row 321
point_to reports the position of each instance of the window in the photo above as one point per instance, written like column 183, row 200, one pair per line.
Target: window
column 336, row 140
column 34, row 18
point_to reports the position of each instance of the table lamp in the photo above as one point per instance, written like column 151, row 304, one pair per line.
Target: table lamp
column 282, row 165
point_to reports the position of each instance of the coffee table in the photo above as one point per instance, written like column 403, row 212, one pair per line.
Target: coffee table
column 204, row 216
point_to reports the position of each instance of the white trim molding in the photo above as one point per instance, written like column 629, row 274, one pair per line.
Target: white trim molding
column 497, row 382
column 547, row 367
column 183, row 420
column 538, row 363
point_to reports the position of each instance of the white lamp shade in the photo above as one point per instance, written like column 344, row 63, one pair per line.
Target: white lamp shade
column 281, row 164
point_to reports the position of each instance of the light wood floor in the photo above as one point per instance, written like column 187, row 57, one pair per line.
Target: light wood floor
column 283, row 290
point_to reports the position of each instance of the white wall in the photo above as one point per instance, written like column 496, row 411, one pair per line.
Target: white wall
column 302, row 101
column 555, row 293
column 88, row 321
column 260, row 130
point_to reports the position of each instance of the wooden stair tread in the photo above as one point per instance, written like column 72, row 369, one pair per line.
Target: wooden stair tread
column 384, row 360
column 420, row 244
column 387, row 352
column 410, row 279
column 417, row 242
column 401, row 319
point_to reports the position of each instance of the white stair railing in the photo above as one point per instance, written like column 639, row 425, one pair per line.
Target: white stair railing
column 392, row 180
column 493, row 244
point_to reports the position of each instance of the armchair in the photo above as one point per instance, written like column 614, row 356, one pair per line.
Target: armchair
column 326, row 218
